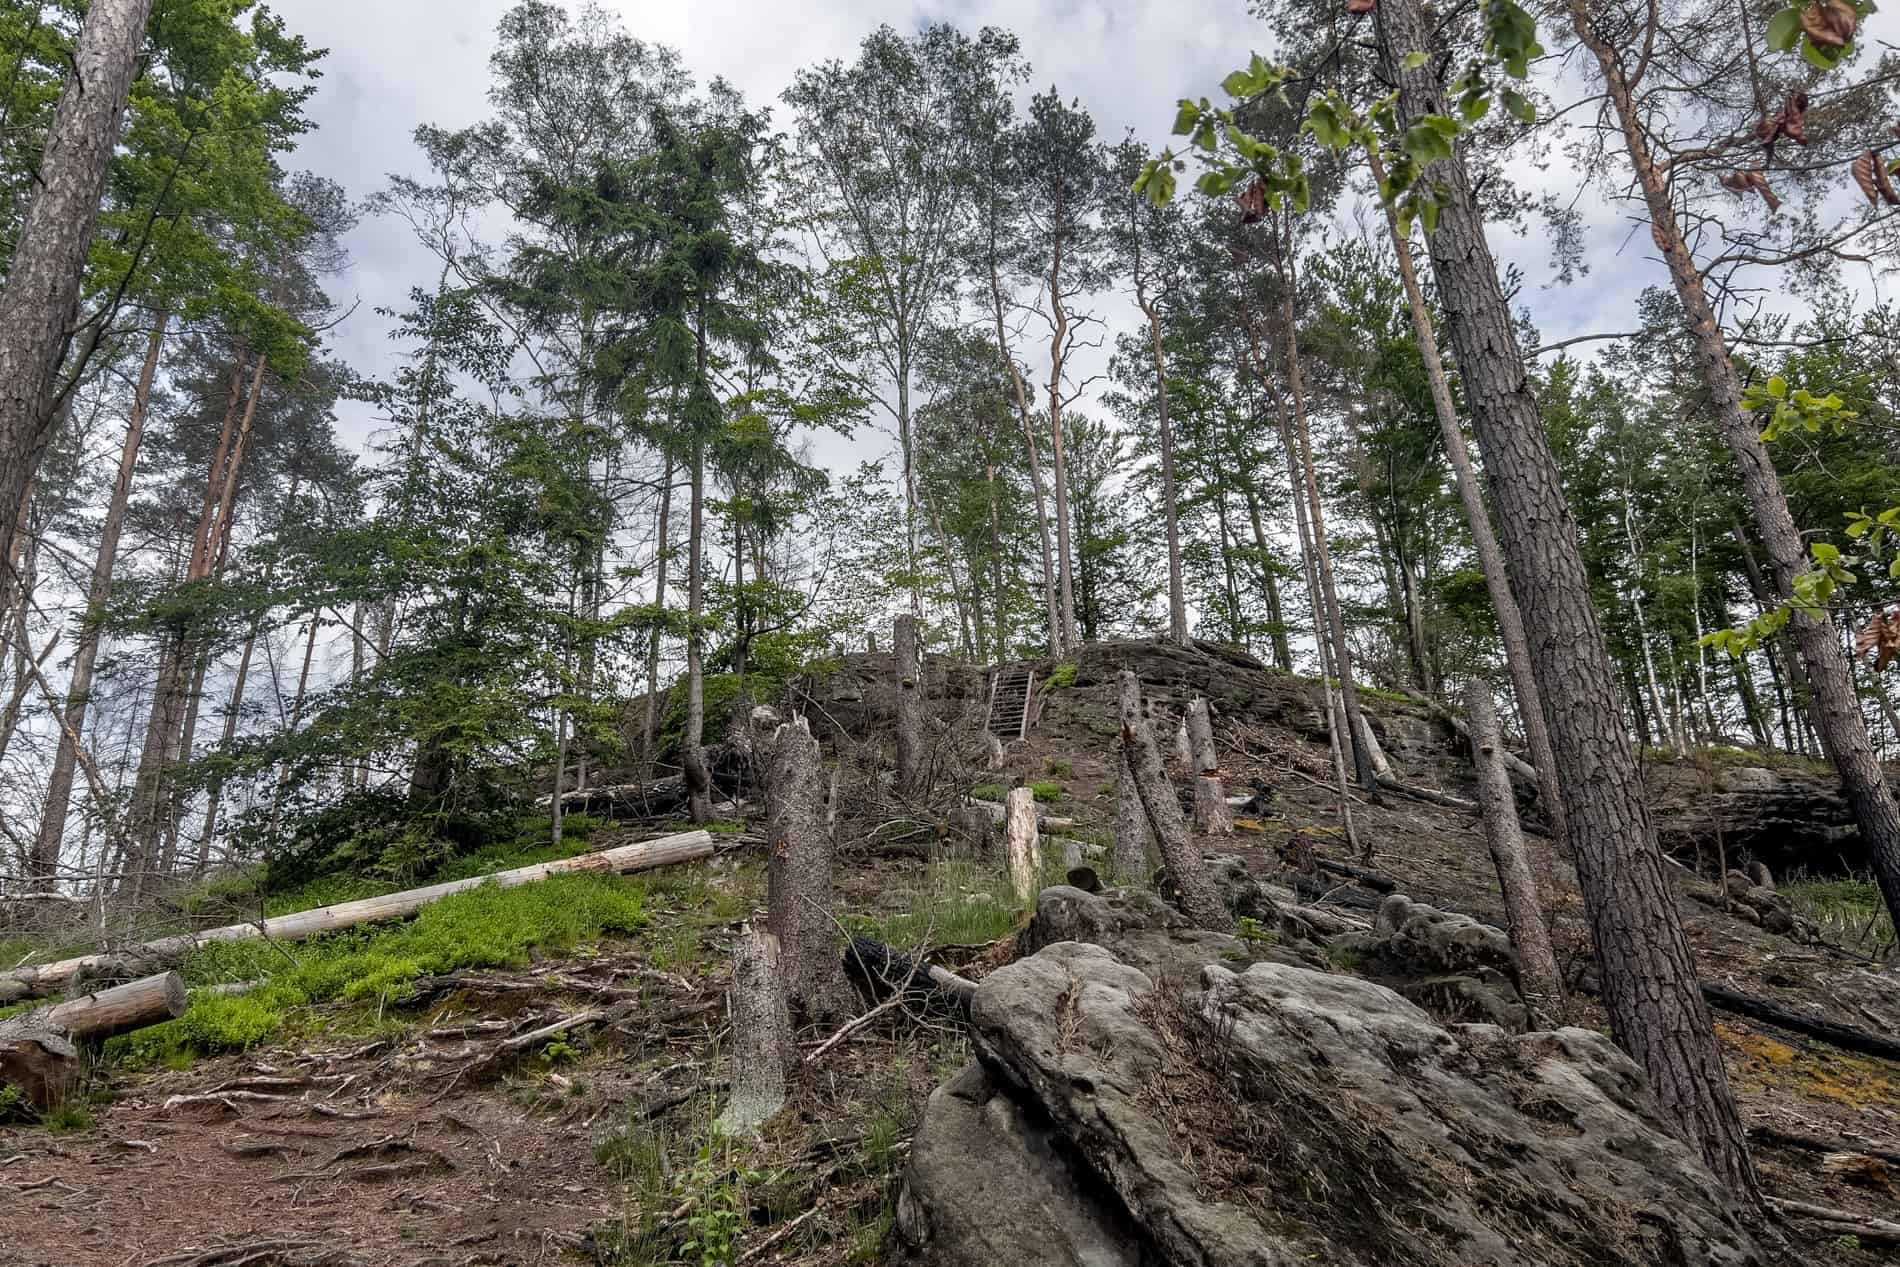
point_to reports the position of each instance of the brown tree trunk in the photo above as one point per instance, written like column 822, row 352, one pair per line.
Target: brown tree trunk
column 1837, row 715
column 1270, row 586
column 1058, row 351
column 692, row 750
column 907, row 669
column 1650, row 990
column 798, row 878
column 85, row 657
column 1177, row 593
column 1187, row 873
column 1517, row 651
column 48, row 263
column 1537, row 971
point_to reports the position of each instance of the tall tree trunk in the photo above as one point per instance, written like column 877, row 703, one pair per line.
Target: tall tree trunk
column 967, row 622
column 1322, row 552
column 1058, row 351
column 692, row 752
column 41, row 292
column 998, row 601
column 1025, row 417
column 1517, row 652
column 1270, row 586
column 1649, row 983
column 215, row 794
column 661, row 559
column 1177, row 592
column 1837, row 715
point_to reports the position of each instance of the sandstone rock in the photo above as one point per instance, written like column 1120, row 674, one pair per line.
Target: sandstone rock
column 1145, row 932
column 1459, row 968
column 1280, row 1115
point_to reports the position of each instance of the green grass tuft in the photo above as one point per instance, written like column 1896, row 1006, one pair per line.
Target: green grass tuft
column 1850, row 911
column 989, row 792
column 485, row 927
column 1046, row 791
column 1063, row 675
column 955, row 902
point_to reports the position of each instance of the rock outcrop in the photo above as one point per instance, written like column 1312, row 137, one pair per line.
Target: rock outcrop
column 1268, row 1113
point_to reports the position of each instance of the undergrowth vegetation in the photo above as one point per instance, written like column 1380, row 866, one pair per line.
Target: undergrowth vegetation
column 952, row 902
column 484, row 927
column 1848, row 909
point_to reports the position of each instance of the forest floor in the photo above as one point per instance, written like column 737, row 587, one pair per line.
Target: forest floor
column 401, row 1132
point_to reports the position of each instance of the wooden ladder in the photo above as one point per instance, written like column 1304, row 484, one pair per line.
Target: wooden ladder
column 1010, row 693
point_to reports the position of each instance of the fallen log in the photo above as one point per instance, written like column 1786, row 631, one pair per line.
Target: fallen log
column 40, row 1050
column 625, row 800
column 1453, row 802
column 683, row 847
column 883, row 971
column 1846, row 1037
column 1833, row 1222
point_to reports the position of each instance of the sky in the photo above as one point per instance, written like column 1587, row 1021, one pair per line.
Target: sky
column 395, row 64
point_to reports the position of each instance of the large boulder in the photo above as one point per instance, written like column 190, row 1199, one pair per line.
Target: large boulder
column 1460, row 968
column 1280, row 1115
column 1148, row 933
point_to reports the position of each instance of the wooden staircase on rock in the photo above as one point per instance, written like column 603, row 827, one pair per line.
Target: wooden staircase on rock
column 1012, row 687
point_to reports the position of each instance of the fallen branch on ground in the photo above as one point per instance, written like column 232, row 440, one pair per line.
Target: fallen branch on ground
column 1841, row 1222
column 683, row 847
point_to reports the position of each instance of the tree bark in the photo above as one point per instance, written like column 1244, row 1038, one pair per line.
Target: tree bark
column 908, row 672
column 1211, row 815
column 1177, row 593
column 1025, row 418
column 692, row 750
column 1134, row 839
column 661, row 557
column 1187, row 873
column 798, row 878
column 1058, row 350
column 761, row 1034
column 1537, row 974
column 1837, row 715
column 41, row 292
column 1656, row 1010
column 1023, row 844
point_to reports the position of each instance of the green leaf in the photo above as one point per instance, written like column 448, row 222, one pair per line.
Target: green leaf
column 1778, row 387
column 1185, row 117
column 1520, row 107
column 1825, row 552
column 1784, row 29
column 1238, row 84
column 1474, row 105
column 1858, row 528
column 1414, row 59
column 1425, row 144
column 1893, row 569
column 1821, row 57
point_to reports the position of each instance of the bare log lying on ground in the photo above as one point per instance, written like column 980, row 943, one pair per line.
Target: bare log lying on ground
column 925, row 986
column 39, row 1050
column 1774, row 1136
column 683, row 847
column 1846, row 1037
column 1866, row 1228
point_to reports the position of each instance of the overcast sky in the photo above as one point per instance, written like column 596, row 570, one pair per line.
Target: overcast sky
column 394, row 64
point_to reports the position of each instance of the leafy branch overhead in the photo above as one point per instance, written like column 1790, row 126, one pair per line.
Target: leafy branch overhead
column 1269, row 178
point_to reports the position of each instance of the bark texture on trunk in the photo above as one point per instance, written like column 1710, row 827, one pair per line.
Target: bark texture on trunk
column 1187, row 873
column 908, row 670
column 1517, row 652
column 1022, row 843
column 692, row 750
column 761, row 1034
column 1837, row 715
column 1650, row 989
column 1211, row 815
column 48, row 263
column 1134, row 839
column 799, row 899
column 1177, row 592
column 1537, row 974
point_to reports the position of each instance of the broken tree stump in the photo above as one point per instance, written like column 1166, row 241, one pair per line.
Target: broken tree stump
column 910, row 704
column 761, row 1034
column 1200, row 900
column 1211, row 814
column 1022, row 844
column 798, row 878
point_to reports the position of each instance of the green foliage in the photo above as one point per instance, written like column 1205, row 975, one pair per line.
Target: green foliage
column 1063, row 675
column 1046, row 791
column 1849, row 910
column 1785, row 34
column 1801, row 408
column 12, row 1103
column 68, row 1117
column 956, row 901
column 989, row 792
column 482, row 927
